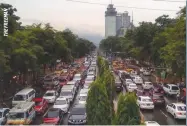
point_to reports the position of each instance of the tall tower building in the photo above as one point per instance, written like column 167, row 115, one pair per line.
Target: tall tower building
column 110, row 21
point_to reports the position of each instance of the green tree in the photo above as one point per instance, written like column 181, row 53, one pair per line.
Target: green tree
column 127, row 110
column 98, row 105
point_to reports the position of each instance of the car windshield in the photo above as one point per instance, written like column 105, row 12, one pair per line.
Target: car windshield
column 60, row 102
column 38, row 103
column 16, row 115
column 52, row 114
column 47, row 80
column 49, row 94
column 158, row 96
column 1, row 114
column 181, row 108
column 174, row 88
column 146, row 100
column 128, row 80
column 66, row 93
column 78, row 111
column 19, row 98
column 62, row 80
column 132, row 85
column 83, row 98
column 89, row 79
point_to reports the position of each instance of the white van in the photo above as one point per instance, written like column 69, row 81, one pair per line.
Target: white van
column 25, row 95
column 22, row 114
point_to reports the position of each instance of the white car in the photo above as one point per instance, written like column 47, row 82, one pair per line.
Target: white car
column 151, row 123
column 145, row 102
column 61, row 103
column 87, row 84
column 90, row 78
column 133, row 72
column 178, row 110
column 127, row 81
column 82, row 98
column 50, row 96
column 77, row 77
column 138, row 80
column 4, row 115
column 131, row 87
column 84, row 91
column 147, row 85
column 91, row 73
column 146, row 73
column 68, row 94
column 142, row 69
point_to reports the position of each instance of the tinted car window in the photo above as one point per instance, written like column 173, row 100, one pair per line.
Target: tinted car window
column 174, row 88
column 181, row 108
column 78, row 111
column 52, row 114
column 158, row 96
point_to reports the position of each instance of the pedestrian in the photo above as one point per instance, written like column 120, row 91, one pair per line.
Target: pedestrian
column 178, row 96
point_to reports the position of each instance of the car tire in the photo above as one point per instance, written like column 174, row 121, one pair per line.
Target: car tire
column 174, row 116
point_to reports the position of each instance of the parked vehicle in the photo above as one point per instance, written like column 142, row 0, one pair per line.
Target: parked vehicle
column 147, row 85
column 50, row 96
column 50, row 81
column 158, row 99
column 118, row 85
column 151, row 123
column 24, row 95
column 131, row 87
column 171, row 89
column 78, row 115
column 53, row 116
column 138, row 80
column 4, row 113
column 22, row 114
column 41, row 105
column 178, row 110
column 61, row 103
column 145, row 102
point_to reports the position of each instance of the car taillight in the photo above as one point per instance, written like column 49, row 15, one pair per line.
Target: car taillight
column 179, row 113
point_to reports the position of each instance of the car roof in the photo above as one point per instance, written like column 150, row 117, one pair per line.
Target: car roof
column 77, row 75
column 84, row 94
column 71, row 82
column 50, row 91
column 179, row 104
column 146, row 97
column 24, row 91
column 79, row 106
column 22, row 107
column 132, row 84
column 172, row 84
column 3, row 109
column 61, row 98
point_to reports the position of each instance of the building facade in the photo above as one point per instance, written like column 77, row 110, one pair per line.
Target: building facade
column 116, row 24
column 110, row 21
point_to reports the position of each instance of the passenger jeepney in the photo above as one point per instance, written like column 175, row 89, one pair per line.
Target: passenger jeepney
column 21, row 114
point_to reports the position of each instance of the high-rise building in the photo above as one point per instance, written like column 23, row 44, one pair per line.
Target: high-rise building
column 116, row 24
column 110, row 21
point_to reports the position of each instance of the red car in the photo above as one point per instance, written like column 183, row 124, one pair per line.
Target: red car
column 41, row 105
column 62, row 81
column 53, row 116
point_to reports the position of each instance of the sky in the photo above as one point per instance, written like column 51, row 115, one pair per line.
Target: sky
column 88, row 20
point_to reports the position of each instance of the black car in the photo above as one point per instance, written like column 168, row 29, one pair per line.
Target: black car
column 158, row 99
column 78, row 115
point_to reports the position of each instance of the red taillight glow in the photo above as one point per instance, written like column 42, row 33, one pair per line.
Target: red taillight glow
column 179, row 113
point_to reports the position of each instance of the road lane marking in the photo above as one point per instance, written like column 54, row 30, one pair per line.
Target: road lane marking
column 163, row 113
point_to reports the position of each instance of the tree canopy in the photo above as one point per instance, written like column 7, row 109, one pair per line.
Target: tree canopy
column 161, row 43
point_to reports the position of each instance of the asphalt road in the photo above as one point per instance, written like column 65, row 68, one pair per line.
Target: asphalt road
column 160, row 114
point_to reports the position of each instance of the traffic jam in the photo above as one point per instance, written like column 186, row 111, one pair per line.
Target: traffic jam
column 163, row 104
column 60, row 99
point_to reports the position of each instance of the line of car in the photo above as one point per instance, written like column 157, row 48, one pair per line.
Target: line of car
column 152, row 94
column 61, row 90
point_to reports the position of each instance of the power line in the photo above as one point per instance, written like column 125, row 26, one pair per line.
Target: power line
column 171, row 1
column 77, row 1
